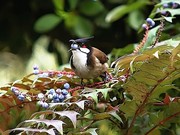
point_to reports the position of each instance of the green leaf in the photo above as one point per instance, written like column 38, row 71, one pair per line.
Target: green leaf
column 104, row 91
column 59, row 4
column 135, row 19
column 92, row 131
column 91, row 8
column 129, row 108
column 47, row 23
column 120, row 11
column 151, row 38
column 82, row 27
column 169, row 19
column 113, row 113
column 70, row 114
column 73, row 4
column 93, row 95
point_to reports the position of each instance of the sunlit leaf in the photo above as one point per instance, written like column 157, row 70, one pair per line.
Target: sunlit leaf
column 113, row 113
column 49, row 131
column 55, row 123
column 70, row 114
column 119, row 11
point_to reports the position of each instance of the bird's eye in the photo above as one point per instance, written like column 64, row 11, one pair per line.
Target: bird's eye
column 74, row 46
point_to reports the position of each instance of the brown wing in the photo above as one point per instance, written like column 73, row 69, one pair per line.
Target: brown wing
column 100, row 55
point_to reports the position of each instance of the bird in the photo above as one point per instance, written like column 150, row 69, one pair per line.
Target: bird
column 86, row 61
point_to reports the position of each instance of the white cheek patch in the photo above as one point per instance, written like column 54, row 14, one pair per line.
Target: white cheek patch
column 85, row 50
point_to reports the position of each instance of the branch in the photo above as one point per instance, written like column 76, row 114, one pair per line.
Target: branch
column 162, row 122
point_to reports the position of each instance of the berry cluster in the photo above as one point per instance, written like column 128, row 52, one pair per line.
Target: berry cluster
column 19, row 94
column 53, row 95
column 149, row 23
column 170, row 5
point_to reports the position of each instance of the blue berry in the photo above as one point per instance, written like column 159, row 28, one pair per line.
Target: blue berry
column 66, row 86
column 36, row 71
column 59, row 75
column 165, row 5
column 144, row 26
column 61, row 97
column 55, row 95
column 36, row 67
column 21, row 97
column 55, row 100
column 58, row 90
column 150, row 22
column 50, row 96
column 44, row 105
column 40, row 95
column 64, row 92
column 51, row 91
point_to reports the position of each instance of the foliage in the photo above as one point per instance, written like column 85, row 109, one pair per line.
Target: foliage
column 141, row 95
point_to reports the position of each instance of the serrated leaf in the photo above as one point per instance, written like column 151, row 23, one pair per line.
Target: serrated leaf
column 169, row 19
column 104, row 91
column 49, row 131
column 93, row 95
column 55, row 123
column 129, row 108
column 156, row 54
column 92, row 131
column 47, row 23
column 70, row 114
column 113, row 113
column 80, row 104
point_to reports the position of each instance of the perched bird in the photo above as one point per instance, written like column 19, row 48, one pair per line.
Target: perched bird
column 86, row 61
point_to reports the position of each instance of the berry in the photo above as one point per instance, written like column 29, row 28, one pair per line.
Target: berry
column 58, row 90
column 15, row 90
column 66, row 86
column 150, row 22
column 55, row 100
column 40, row 95
column 55, row 95
column 21, row 97
column 44, row 105
column 64, row 92
column 165, row 5
column 61, row 97
column 59, row 75
column 36, row 67
column 51, row 91
column 144, row 26
column 50, row 96
column 36, row 71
